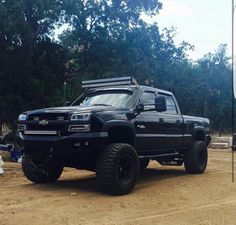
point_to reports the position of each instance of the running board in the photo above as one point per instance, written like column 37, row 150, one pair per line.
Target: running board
column 158, row 155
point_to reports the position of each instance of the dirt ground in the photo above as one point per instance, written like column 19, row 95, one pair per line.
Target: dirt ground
column 163, row 195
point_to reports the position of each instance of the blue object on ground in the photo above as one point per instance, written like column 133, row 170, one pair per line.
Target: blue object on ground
column 6, row 148
column 15, row 154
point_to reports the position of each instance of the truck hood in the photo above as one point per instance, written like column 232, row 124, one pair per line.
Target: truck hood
column 196, row 119
column 70, row 109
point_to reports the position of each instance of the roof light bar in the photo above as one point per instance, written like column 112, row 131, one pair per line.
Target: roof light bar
column 109, row 82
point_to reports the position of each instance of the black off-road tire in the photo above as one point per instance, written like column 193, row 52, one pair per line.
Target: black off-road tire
column 195, row 158
column 40, row 172
column 117, row 168
column 143, row 163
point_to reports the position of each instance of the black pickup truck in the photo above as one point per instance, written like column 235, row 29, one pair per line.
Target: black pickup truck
column 114, row 128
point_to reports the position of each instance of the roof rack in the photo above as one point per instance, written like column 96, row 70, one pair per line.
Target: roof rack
column 109, row 82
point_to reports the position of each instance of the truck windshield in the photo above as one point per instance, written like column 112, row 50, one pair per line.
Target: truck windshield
column 106, row 98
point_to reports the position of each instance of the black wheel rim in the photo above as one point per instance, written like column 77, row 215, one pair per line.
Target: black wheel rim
column 125, row 168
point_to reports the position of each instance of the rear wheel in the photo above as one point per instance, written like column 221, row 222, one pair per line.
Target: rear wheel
column 195, row 158
column 117, row 168
column 41, row 172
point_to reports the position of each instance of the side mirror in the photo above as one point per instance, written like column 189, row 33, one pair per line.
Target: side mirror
column 139, row 108
column 160, row 104
column 67, row 103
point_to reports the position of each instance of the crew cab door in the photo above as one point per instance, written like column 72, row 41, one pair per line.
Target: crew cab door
column 172, row 123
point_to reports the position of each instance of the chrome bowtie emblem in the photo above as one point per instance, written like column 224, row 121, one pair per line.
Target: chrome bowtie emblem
column 141, row 126
column 43, row 122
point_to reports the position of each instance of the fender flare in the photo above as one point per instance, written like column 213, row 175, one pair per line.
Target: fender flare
column 199, row 129
column 118, row 123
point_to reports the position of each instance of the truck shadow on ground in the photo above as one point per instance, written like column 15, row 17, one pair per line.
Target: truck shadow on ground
column 87, row 183
column 152, row 176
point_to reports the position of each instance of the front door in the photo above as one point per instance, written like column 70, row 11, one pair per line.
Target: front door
column 157, row 131
column 149, row 126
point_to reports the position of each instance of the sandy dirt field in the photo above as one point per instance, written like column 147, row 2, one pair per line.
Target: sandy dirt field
column 163, row 195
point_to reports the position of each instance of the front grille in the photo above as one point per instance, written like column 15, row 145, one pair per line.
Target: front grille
column 48, row 116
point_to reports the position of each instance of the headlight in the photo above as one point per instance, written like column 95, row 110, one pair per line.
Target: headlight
column 80, row 117
column 22, row 117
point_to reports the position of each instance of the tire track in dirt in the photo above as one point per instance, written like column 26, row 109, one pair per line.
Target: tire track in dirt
column 217, row 214
column 163, row 195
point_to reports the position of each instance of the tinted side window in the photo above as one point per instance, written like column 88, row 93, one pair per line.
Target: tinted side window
column 170, row 105
column 148, row 98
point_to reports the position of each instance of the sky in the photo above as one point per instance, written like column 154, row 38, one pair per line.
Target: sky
column 203, row 23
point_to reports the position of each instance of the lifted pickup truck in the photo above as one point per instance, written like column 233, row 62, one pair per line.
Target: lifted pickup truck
column 114, row 128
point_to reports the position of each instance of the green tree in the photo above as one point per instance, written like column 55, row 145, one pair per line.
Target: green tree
column 214, row 86
column 98, row 30
column 30, row 62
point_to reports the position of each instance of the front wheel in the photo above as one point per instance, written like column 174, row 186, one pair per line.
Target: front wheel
column 117, row 168
column 40, row 172
column 195, row 158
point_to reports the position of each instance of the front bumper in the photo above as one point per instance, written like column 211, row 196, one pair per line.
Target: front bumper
column 53, row 144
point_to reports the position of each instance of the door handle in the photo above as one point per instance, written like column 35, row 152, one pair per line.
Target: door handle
column 161, row 120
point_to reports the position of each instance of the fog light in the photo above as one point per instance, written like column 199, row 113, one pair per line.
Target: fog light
column 79, row 128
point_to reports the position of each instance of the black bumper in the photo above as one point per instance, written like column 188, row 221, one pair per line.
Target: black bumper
column 74, row 143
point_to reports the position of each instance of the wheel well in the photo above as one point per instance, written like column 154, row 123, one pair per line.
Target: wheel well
column 121, row 135
column 200, row 136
